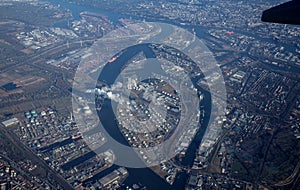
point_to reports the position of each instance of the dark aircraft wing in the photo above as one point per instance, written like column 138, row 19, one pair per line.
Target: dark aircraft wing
column 286, row 13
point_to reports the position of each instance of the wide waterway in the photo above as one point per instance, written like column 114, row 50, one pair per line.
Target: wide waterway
column 144, row 175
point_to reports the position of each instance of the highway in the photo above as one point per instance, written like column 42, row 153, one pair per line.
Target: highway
column 52, row 176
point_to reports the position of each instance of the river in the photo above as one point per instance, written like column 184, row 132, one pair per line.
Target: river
column 144, row 176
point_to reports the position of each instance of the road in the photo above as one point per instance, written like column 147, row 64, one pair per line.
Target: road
column 56, row 178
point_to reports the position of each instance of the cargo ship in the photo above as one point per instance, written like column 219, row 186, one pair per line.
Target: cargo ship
column 113, row 59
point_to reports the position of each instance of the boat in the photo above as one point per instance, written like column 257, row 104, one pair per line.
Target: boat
column 74, row 137
column 113, row 59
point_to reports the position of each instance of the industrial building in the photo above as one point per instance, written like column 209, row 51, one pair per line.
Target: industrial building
column 10, row 122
